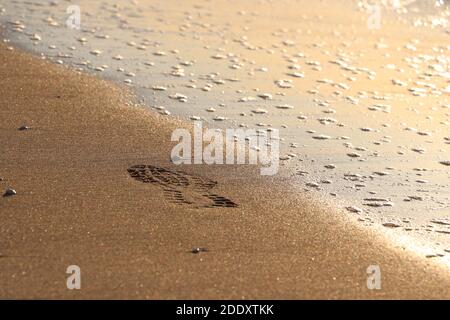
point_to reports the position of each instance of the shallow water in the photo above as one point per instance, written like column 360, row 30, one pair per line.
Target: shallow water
column 370, row 120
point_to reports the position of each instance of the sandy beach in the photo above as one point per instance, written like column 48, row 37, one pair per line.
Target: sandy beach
column 351, row 98
column 76, row 204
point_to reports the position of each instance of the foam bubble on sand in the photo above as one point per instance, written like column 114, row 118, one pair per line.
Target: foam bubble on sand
column 284, row 84
column 259, row 111
column 321, row 137
column 284, row 106
column 354, row 209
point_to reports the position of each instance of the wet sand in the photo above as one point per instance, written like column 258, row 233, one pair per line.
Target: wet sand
column 76, row 204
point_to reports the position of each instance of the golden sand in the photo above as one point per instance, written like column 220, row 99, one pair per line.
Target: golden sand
column 76, row 204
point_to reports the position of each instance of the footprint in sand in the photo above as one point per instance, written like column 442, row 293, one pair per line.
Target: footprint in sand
column 181, row 188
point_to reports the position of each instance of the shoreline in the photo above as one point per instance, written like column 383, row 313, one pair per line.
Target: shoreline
column 76, row 204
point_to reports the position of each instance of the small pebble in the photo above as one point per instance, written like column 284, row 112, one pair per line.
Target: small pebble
column 9, row 192
column 198, row 250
